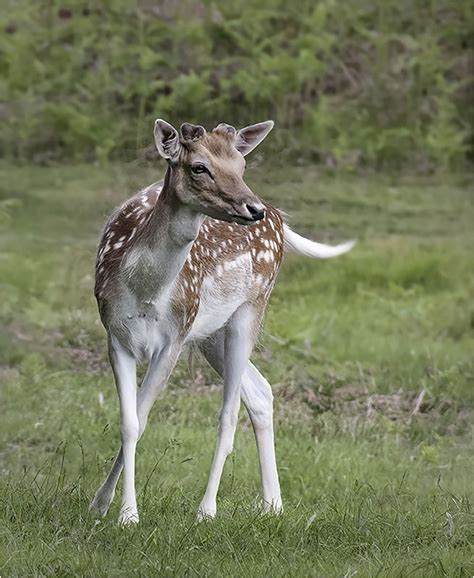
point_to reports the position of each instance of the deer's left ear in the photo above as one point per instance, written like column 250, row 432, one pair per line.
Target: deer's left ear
column 166, row 139
column 251, row 136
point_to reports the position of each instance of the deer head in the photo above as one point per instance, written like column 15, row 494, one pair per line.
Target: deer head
column 206, row 169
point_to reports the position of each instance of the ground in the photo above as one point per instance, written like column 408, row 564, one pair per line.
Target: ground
column 369, row 354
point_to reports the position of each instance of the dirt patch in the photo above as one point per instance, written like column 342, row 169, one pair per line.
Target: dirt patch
column 85, row 359
column 356, row 401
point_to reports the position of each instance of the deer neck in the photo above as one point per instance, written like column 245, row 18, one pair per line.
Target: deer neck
column 170, row 233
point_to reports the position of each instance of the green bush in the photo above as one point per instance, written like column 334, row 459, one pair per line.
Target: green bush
column 385, row 83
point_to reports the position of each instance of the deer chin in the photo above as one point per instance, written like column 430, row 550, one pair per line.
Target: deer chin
column 233, row 218
column 243, row 220
column 235, row 214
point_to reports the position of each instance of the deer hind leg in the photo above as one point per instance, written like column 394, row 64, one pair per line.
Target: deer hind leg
column 154, row 382
column 258, row 399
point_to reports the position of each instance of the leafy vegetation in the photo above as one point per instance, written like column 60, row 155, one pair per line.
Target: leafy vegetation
column 382, row 83
column 370, row 355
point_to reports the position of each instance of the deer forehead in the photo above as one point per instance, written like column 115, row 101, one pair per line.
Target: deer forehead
column 218, row 151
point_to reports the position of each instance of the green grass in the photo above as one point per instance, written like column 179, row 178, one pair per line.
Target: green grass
column 349, row 344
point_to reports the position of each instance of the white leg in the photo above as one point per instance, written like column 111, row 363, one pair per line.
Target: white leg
column 105, row 494
column 238, row 344
column 154, row 382
column 124, row 368
column 258, row 399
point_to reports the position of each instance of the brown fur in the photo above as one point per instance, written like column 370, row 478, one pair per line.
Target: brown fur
column 216, row 243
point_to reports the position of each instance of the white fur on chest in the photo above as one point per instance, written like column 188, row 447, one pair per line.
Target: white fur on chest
column 147, row 324
column 145, row 327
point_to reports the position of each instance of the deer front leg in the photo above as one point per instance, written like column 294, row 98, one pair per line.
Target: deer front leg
column 104, row 496
column 155, row 380
column 238, row 344
column 124, row 369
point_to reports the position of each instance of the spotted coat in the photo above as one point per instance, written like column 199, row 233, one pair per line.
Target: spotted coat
column 217, row 253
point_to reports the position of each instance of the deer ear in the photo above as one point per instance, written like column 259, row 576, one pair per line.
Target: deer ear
column 251, row 136
column 166, row 139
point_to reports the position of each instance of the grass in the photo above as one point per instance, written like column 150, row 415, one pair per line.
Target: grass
column 352, row 346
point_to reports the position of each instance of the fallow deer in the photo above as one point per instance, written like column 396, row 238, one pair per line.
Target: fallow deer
column 193, row 258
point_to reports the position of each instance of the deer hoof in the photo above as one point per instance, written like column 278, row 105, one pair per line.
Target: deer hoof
column 101, row 502
column 128, row 517
column 205, row 514
column 273, row 506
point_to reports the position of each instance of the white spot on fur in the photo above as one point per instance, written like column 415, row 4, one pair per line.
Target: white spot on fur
column 266, row 256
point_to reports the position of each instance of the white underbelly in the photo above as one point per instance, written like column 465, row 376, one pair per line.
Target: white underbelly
column 221, row 295
column 213, row 316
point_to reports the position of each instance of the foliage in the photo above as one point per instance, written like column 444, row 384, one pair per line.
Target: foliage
column 377, row 83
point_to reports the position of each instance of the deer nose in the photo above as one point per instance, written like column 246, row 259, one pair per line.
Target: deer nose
column 256, row 212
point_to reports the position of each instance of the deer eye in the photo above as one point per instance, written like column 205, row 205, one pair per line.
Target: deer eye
column 199, row 169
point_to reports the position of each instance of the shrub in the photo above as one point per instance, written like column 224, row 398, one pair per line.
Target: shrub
column 386, row 83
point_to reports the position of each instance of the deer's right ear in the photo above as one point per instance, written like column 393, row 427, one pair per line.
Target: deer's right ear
column 249, row 137
column 166, row 139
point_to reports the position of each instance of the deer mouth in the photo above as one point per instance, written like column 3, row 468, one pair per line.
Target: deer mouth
column 245, row 214
column 245, row 220
column 241, row 219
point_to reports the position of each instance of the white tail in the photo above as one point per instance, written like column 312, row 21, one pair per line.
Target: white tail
column 295, row 243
